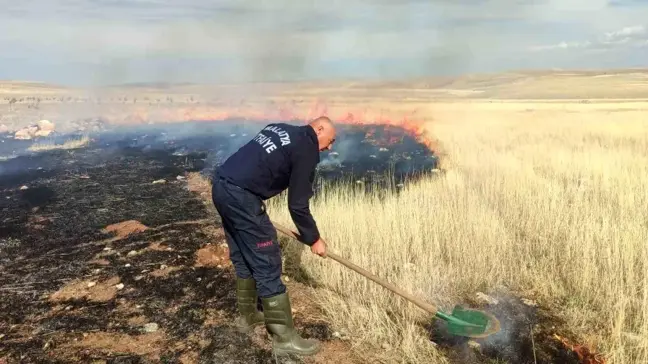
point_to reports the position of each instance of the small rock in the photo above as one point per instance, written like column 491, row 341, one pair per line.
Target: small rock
column 198, row 279
column 22, row 188
column 119, row 286
column 484, row 298
column 163, row 266
column 107, row 249
column 91, row 284
column 132, row 253
column 159, row 181
column 219, row 266
column 286, row 279
column 386, row 346
column 384, row 149
column 474, row 345
column 180, row 178
column 529, row 302
column 138, row 278
column 127, row 265
column 150, row 327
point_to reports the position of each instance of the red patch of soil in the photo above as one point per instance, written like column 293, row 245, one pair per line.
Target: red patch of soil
column 159, row 246
column 125, row 228
column 103, row 262
column 212, row 256
column 149, row 345
column 76, row 290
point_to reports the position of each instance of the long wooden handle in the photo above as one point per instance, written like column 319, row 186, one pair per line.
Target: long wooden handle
column 424, row 305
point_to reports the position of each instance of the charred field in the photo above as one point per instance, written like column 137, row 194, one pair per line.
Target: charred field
column 109, row 254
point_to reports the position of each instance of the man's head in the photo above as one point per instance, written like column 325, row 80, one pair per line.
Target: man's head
column 325, row 131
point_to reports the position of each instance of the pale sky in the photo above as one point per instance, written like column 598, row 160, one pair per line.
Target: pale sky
column 95, row 42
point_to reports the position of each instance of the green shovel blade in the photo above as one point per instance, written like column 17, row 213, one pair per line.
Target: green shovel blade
column 470, row 323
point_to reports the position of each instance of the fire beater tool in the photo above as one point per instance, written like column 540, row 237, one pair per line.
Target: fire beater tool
column 461, row 322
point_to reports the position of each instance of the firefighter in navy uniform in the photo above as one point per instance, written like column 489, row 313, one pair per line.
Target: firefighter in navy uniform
column 280, row 157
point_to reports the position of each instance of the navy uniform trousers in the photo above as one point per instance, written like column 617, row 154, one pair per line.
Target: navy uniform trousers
column 251, row 237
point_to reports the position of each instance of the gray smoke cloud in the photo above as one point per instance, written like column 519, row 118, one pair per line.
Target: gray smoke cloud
column 107, row 42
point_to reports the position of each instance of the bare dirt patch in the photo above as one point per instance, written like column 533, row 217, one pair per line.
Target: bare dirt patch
column 93, row 291
column 164, row 271
column 102, row 262
column 148, row 345
column 212, row 256
column 189, row 358
column 125, row 228
column 137, row 320
column 159, row 246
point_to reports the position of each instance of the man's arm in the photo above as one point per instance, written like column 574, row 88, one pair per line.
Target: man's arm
column 300, row 190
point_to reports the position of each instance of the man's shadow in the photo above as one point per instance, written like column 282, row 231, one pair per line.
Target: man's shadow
column 292, row 253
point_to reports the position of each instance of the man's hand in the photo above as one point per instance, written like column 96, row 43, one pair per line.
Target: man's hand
column 319, row 248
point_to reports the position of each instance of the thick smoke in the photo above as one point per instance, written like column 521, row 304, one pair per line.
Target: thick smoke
column 244, row 40
column 342, row 150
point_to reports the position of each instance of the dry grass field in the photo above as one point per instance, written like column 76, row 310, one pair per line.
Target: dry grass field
column 544, row 195
column 550, row 204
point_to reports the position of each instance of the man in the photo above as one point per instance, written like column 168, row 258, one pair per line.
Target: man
column 280, row 157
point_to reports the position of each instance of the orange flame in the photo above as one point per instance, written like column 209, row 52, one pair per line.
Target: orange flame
column 288, row 112
column 585, row 355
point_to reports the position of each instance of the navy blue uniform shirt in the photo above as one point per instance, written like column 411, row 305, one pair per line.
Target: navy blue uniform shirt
column 281, row 156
